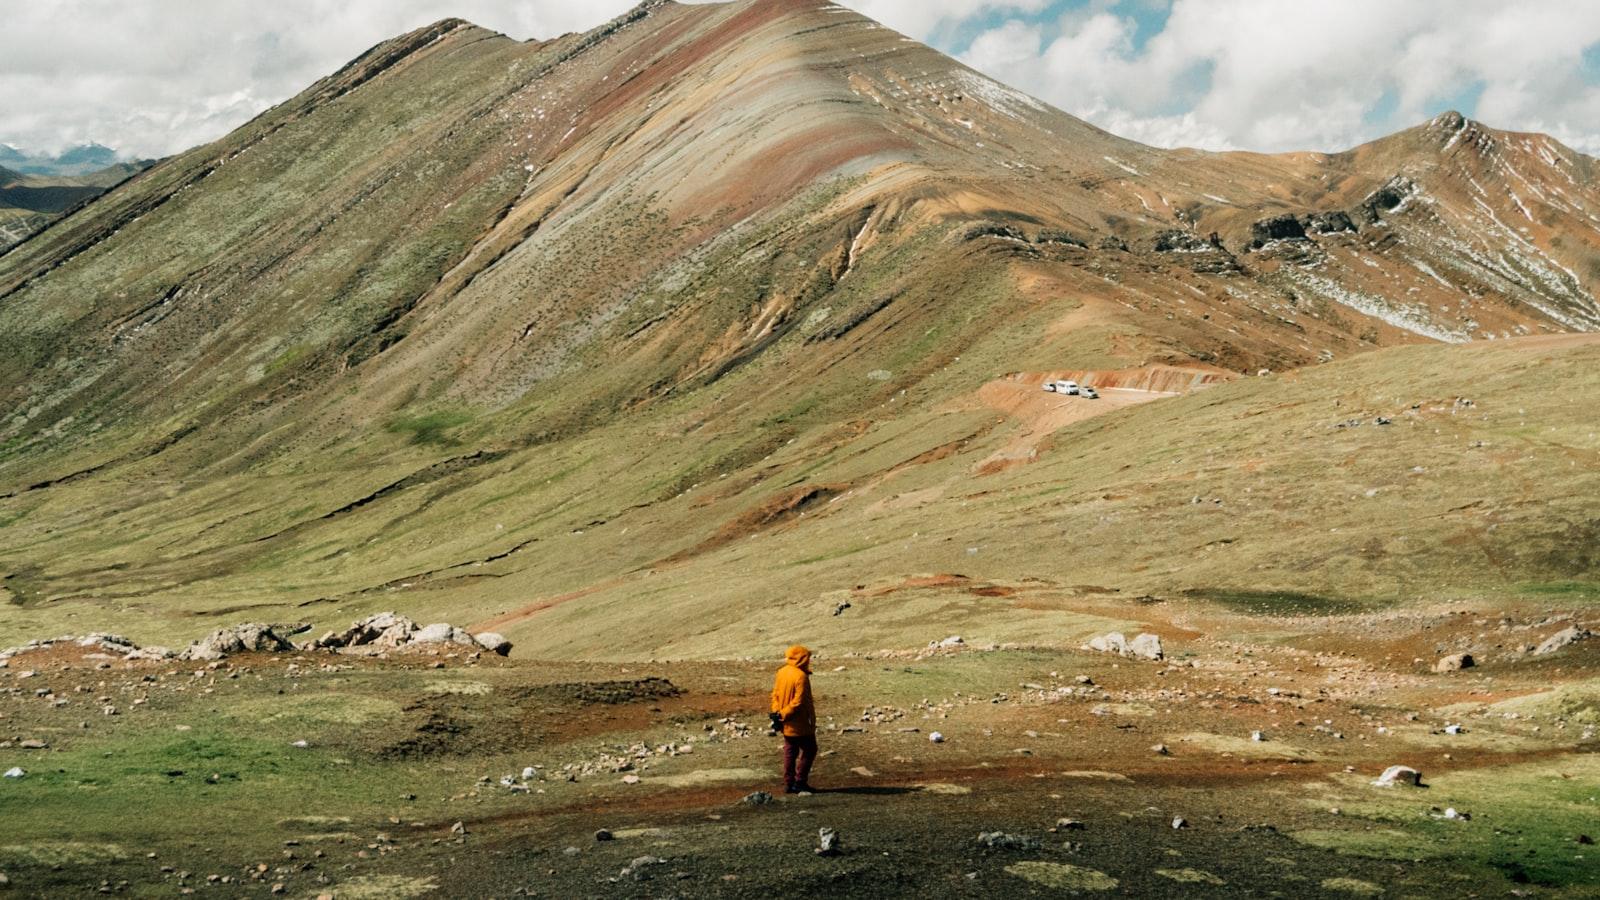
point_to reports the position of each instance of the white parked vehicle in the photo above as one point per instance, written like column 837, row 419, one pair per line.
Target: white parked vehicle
column 1066, row 387
column 1089, row 393
column 1050, row 386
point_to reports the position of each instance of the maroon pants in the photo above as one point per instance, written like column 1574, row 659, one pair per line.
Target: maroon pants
column 798, row 755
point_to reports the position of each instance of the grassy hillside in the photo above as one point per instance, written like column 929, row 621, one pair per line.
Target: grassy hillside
column 719, row 315
column 1250, row 495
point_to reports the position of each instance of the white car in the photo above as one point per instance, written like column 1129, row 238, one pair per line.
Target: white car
column 1089, row 393
column 1066, row 387
column 1050, row 386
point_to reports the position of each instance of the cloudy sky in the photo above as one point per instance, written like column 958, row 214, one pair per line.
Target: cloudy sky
column 151, row 77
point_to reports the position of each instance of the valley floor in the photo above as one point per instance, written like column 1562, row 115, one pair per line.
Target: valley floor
column 161, row 778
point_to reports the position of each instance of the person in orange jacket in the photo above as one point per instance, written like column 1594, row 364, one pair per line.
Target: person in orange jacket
column 793, row 711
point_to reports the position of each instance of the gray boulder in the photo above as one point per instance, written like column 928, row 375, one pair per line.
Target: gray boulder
column 443, row 633
column 1145, row 646
column 493, row 642
column 1563, row 638
column 1404, row 775
column 1110, row 643
column 999, row 840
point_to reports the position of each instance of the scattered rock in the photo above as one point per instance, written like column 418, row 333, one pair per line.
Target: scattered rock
column 459, row 829
column 757, row 798
column 1161, row 750
column 1399, row 775
column 953, row 640
column 828, row 842
column 1179, row 822
column 15, row 772
column 1454, row 662
column 603, row 835
column 936, row 737
column 839, row 608
column 1069, row 825
column 638, row 868
column 34, row 744
column 999, row 840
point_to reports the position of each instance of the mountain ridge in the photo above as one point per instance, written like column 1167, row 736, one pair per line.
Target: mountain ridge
column 612, row 276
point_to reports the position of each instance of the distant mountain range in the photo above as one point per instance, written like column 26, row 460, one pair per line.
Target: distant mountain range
column 84, row 159
column 30, row 200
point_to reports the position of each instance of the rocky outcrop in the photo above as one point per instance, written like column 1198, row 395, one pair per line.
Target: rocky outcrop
column 1176, row 240
column 1455, row 662
column 1388, row 198
column 1286, row 227
column 391, row 631
column 251, row 637
column 1563, row 638
column 1144, row 646
column 1336, row 222
column 1291, row 227
column 95, row 645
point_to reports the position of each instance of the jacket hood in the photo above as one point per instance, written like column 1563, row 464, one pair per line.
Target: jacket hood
column 799, row 657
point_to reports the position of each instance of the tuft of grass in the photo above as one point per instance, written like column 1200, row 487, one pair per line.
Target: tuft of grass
column 431, row 428
column 1277, row 603
column 1576, row 590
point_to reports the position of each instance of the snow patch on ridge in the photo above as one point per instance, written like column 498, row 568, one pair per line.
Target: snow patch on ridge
column 1007, row 101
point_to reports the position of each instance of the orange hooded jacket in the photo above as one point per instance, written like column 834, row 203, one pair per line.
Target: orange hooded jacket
column 791, row 694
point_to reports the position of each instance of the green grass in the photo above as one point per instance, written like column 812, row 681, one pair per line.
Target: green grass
column 1566, row 590
column 430, row 429
column 1525, row 822
column 1277, row 603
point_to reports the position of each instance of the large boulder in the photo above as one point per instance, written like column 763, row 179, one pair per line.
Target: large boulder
column 493, row 642
column 1404, row 775
column 1110, row 643
column 443, row 633
column 1145, row 646
column 1455, row 662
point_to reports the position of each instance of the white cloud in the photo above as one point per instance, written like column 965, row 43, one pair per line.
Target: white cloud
column 1268, row 75
column 155, row 76
column 151, row 78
